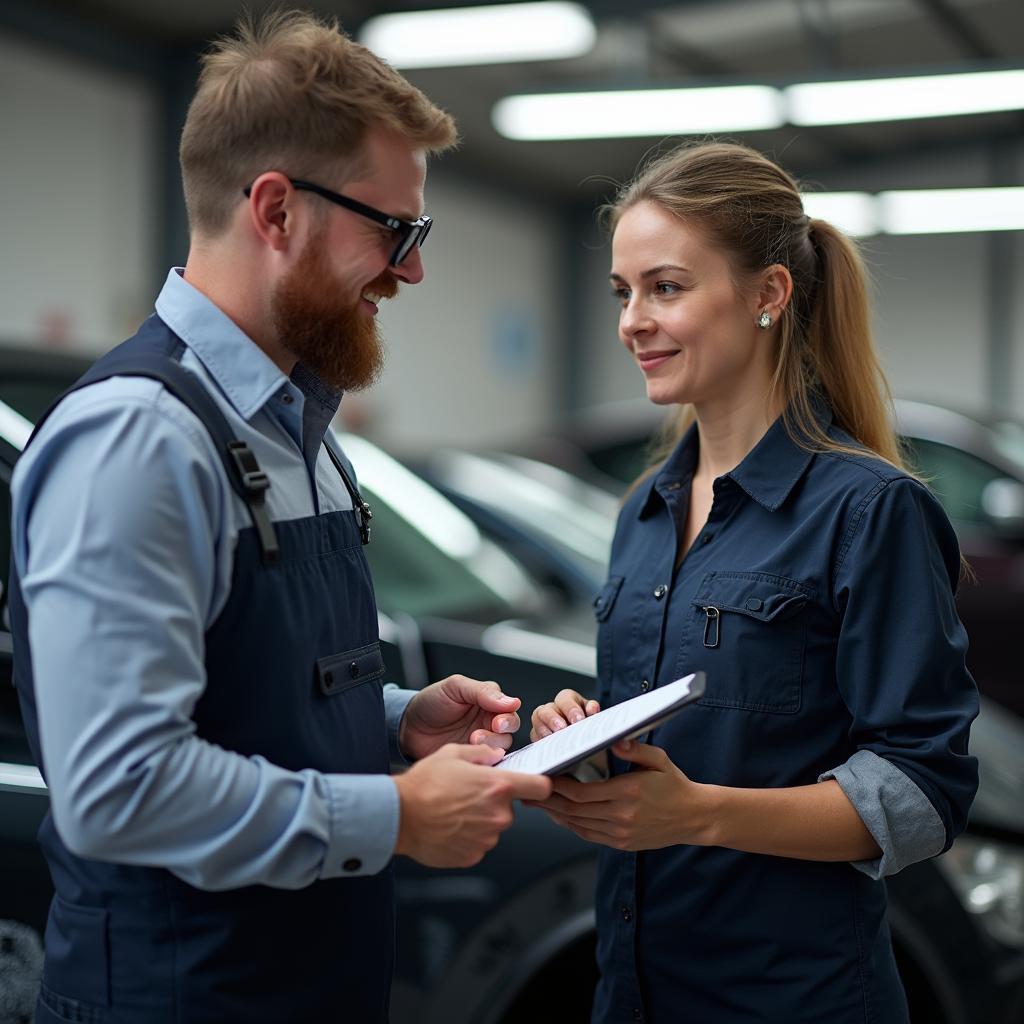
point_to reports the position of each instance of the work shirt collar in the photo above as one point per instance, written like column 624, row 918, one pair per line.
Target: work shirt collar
column 768, row 473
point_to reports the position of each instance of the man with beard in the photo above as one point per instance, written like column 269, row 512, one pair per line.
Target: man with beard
column 196, row 637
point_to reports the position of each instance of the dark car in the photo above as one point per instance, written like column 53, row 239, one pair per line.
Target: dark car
column 512, row 939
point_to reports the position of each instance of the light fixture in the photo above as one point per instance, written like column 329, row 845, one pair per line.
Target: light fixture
column 699, row 110
column 941, row 210
column 852, row 212
column 904, row 98
column 495, row 34
column 14, row 428
column 920, row 211
column 638, row 112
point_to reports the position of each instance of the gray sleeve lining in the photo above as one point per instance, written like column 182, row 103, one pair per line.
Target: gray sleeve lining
column 893, row 808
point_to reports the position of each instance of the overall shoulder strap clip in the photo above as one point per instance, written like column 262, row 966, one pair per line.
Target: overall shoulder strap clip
column 254, row 484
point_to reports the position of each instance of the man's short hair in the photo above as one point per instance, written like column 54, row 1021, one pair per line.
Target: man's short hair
column 293, row 93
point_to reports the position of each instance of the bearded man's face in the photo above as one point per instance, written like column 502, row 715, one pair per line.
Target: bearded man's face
column 321, row 321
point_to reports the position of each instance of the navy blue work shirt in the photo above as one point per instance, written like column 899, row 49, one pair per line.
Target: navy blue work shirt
column 819, row 600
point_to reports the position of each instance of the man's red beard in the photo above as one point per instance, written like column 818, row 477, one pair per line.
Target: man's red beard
column 329, row 333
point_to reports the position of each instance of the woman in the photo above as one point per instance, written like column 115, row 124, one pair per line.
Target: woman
column 781, row 548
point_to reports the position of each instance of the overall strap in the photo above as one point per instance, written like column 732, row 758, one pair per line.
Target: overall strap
column 344, row 468
column 155, row 353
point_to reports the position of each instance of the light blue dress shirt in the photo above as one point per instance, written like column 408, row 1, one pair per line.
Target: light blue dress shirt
column 125, row 529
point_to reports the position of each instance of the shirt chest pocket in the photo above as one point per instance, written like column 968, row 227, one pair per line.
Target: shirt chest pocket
column 604, row 605
column 748, row 635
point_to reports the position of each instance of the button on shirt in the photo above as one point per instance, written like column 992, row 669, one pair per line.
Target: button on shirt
column 819, row 600
column 137, row 652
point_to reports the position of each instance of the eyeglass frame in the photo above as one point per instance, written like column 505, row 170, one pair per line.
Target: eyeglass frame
column 411, row 233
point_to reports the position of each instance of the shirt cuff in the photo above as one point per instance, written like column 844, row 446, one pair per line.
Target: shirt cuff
column 396, row 700
column 898, row 815
column 363, row 826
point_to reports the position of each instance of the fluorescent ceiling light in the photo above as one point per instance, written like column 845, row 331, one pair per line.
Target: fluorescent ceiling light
column 940, row 210
column 920, row 211
column 638, row 112
column 653, row 112
column 496, row 34
column 852, row 212
column 900, row 99
column 14, row 428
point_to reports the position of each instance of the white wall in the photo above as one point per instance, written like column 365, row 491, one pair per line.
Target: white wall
column 77, row 219
column 472, row 350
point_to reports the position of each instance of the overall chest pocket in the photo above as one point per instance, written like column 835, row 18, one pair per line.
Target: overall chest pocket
column 339, row 673
column 749, row 631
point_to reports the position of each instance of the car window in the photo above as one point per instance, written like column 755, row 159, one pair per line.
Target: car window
column 1008, row 437
column 956, row 477
column 415, row 576
column 428, row 558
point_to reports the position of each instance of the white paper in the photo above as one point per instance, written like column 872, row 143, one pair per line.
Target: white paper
column 576, row 742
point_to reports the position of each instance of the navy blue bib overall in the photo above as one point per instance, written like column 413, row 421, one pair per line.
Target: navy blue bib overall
column 293, row 674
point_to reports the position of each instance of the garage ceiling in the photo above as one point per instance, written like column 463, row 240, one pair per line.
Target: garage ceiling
column 647, row 43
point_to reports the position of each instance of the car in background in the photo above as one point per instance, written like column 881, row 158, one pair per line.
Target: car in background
column 558, row 525
column 512, row 939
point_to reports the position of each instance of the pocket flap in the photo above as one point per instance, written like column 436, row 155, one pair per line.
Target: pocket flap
column 605, row 600
column 759, row 595
column 340, row 672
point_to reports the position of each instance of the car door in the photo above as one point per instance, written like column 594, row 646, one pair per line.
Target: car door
column 992, row 604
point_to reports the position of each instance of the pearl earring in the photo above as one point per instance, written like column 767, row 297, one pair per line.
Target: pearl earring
column 764, row 321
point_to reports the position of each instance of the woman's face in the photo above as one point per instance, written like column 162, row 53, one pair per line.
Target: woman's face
column 693, row 335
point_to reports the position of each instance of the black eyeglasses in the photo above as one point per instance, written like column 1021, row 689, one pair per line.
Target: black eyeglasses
column 411, row 233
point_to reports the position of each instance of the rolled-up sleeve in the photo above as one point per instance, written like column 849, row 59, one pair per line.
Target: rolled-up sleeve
column 901, row 671
column 118, row 509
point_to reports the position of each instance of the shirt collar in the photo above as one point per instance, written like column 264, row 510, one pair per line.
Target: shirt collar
column 675, row 471
column 768, row 473
column 242, row 370
column 775, row 464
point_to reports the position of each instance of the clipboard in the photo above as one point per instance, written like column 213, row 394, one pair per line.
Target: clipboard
column 579, row 749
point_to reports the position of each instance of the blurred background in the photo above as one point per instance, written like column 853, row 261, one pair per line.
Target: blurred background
column 509, row 419
column 513, row 326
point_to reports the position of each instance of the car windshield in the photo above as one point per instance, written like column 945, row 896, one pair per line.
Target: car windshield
column 570, row 515
column 431, row 559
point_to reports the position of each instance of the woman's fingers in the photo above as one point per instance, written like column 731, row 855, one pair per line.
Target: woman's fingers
column 568, row 708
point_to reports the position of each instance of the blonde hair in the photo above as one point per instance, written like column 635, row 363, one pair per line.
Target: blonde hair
column 291, row 92
column 749, row 206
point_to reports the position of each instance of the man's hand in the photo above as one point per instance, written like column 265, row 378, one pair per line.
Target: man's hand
column 454, row 805
column 458, row 710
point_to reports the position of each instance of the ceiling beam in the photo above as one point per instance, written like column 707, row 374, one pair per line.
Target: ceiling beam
column 956, row 25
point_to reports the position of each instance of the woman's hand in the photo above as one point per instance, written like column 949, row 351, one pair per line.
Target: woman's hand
column 652, row 806
column 567, row 708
